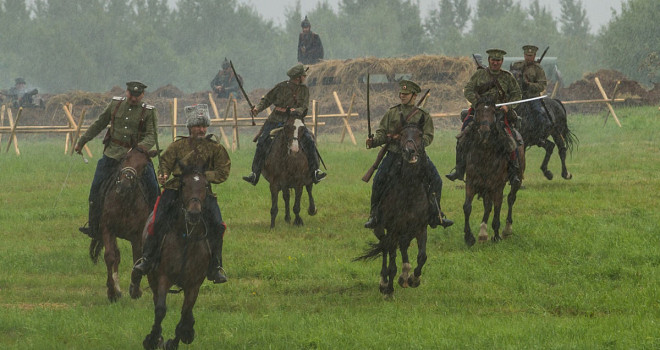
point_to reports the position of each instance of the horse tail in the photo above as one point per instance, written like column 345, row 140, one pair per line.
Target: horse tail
column 95, row 247
column 374, row 250
column 570, row 139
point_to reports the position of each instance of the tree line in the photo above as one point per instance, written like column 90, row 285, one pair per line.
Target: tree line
column 92, row 45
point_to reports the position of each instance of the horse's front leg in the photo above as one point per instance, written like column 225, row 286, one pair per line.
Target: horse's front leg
column 511, row 199
column 416, row 279
column 112, row 258
column 561, row 144
column 311, row 210
column 296, row 206
column 496, row 215
column 286, row 197
column 274, row 190
column 185, row 330
column 549, row 147
column 383, row 274
column 159, row 287
column 404, row 243
column 483, row 229
column 467, row 210
column 391, row 272
column 136, row 277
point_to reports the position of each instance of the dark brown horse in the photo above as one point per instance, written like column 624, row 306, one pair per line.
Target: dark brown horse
column 486, row 172
column 404, row 208
column 535, row 135
column 285, row 168
column 125, row 210
column 185, row 255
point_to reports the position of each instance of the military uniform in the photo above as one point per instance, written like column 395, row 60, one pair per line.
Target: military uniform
column 501, row 87
column 129, row 125
column 310, row 48
column 533, row 82
column 391, row 125
column 228, row 81
column 285, row 96
column 189, row 150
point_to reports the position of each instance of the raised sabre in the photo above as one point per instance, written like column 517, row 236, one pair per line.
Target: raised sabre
column 240, row 85
column 520, row 101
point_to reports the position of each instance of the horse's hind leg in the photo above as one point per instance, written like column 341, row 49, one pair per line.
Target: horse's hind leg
column 549, row 146
column 391, row 272
column 496, row 216
column 383, row 275
column 296, row 207
column 561, row 145
column 185, row 330
column 136, row 277
column 311, row 210
column 416, row 279
column 273, row 204
column 488, row 206
column 467, row 210
column 112, row 259
column 404, row 244
column 511, row 199
column 286, row 197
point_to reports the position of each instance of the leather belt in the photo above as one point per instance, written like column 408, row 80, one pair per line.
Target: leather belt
column 281, row 109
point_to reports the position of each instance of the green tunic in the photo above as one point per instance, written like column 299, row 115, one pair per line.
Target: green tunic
column 391, row 124
column 534, row 80
column 188, row 150
column 284, row 95
column 484, row 76
column 126, row 127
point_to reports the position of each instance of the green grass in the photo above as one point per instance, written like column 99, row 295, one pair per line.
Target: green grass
column 581, row 272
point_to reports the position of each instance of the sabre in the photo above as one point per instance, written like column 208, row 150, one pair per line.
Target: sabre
column 520, row 101
column 543, row 55
column 370, row 135
column 240, row 85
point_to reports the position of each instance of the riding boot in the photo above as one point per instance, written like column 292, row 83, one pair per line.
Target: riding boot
column 437, row 217
column 459, row 171
column 92, row 228
column 513, row 171
column 373, row 217
column 216, row 273
column 258, row 161
column 149, row 255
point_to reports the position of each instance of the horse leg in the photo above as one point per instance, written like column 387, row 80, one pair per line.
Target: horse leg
column 511, row 199
column 185, row 330
column 561, row 145
column 404, row 243
column 382, row 286
column 467, row 210
column 311, row 210
column 391, row 272
column 160, row 287
column 496, row 215
column 112, row 258
column 416, row 279
column 549, row 146
column 136, row 277
column 488, row 206
column 296, row 206
column 286, row 196
column 274, row 191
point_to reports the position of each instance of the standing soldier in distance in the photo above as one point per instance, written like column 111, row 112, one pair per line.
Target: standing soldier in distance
column 291, row 99
column 533, row 82
column 131, row 122
column 502, row 87
column 198, row 148
column 388, row 127
column 310, row 48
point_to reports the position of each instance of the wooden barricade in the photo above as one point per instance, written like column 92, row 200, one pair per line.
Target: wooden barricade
column 606, row 100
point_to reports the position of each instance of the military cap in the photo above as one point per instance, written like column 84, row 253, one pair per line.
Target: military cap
column 19, row 81
column 496, row 54
column 408, row 87
column 305, row 23
column 136, row 88
column 197, row 115
column 296, row 71
column 530, row 49
column 225, row 64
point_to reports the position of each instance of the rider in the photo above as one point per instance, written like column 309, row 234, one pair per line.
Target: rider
column 291, row 99
column 226, row 83
column 198, row 148
column 130, row 122
column 533, row 82
column 389, row 126
column 502, row 87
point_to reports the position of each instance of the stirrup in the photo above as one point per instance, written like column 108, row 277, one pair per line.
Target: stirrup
column 217, row 276
column 455, row 175
column 143, row 266
column 252, row 179
column 319, row 175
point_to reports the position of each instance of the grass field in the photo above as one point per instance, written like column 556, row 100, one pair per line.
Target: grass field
column 581, row 272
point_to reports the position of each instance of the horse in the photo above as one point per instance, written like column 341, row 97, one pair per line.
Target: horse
column 486, row 172
column 125, row 209
column 285, row 168
column 185, row 256
column 404, row 210
column 538, row 136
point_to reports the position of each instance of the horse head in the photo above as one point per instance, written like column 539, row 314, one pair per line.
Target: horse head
column 293, row 131
column 411, row 142
column 484, row 117
column 132, row 165
column 193, row 189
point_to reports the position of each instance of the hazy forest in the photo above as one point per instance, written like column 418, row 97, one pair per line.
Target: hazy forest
column 93, row 45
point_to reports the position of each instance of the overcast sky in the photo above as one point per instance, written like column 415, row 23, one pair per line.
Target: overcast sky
column 598, row 11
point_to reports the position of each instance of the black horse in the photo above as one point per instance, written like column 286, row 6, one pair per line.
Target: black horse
column 285, row 168
column 185, row 255
column 404, row 210
column 486, row 171
column 125, row 210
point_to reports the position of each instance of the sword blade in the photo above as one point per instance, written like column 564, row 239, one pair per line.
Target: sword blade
column 520, row 101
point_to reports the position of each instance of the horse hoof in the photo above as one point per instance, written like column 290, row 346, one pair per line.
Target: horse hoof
column 150, row 343
column 298, row 222
column 312, row 211
column 403, row 282
column 483, row 238
column 388, row 296
column 171, row 344
column 287, row 219
column 567, row 176
column 469, row 240
column 548, row 174
column 114, row 297
column 414, row 282
column 135, row 291
column 496, row 238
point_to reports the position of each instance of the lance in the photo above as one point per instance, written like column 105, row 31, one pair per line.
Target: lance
column 240, row 85
column 543, row 55
column 520, row 101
